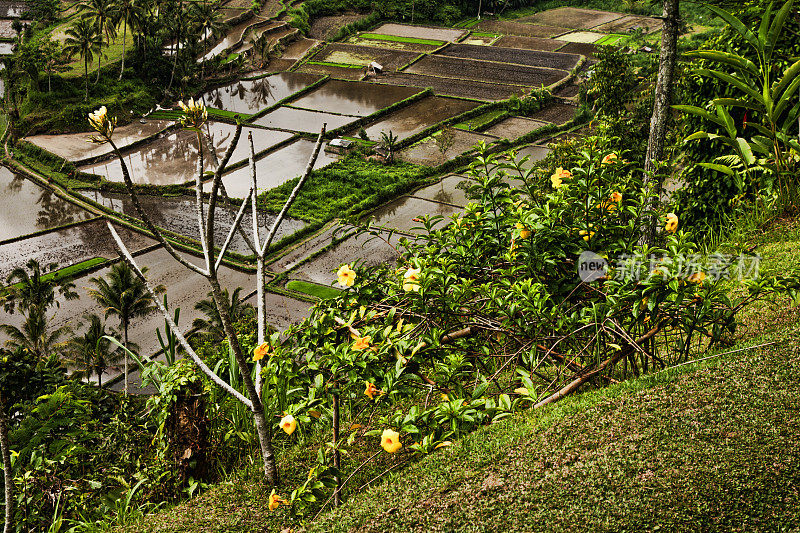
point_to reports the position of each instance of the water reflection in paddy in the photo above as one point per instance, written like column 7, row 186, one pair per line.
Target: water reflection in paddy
column 249, row 96
column 276, row 168
column 353, row 98
column 25, row 207
column 288, row 118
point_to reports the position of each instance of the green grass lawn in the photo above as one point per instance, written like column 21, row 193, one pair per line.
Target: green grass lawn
column 312, row 289
column 707, row 446
column 112, row 51
column 398, row 39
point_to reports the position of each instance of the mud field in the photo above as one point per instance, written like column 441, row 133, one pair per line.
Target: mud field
column 342, row 73
column 12, row 9
column 533, row 58
column 451, row 67
column 353, row 54
column 392, row 45
column 528, row 43
column 507, row 27
column 289, row 118
column 427, row 152
column 365, row 249
column 26, row 207
column 572, row 17
column 628, row 23
column 298, row 48
column 308, row 247
column 514, row 127
column 420, row 115
column 249, row 96
column 584, row 49
column 451, row 190
column 419, row 32
column 353, row 98
column 556, row 113
column 581, row 37
column 177, row 214
column 323, row 28
column 283, row 311
column 68, row 246
column 235, row 34
column 275, row 168
column 399, row 214
column 451, row 87
column 74, row 146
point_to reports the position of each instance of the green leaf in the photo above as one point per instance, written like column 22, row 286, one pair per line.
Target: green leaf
column 700, row 112
column 739, row 83
column 776, row 27
column 727, row 58
column 745, row 151
column 736, row 102
column 736, row 24
column 719, row 168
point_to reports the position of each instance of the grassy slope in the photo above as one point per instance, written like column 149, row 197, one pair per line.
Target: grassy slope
column 712, row 445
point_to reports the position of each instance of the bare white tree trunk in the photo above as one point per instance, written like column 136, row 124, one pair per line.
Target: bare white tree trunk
column 8, row 478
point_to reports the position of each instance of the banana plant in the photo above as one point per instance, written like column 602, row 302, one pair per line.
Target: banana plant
column 767, row 95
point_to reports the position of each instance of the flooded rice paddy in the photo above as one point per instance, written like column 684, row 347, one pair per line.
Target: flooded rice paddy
column 350, row 98
column 275, row 168
column 420, row 115
column 250, row 96
column 403, row 214
column 428, row 151
column 514, row 127
column 451, row 190
column 301, row 120
column 26, row 208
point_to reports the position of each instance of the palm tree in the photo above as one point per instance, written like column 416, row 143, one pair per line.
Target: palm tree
column 206, row 20
column 92, row 352
column 389, row 141
column 34, row 337
column 103, row 14
column 125, row 296
column 128, row 11
column 84, row 40
column 30, row 289
column 211, row 327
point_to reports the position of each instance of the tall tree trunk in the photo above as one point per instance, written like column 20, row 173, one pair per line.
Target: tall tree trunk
column 125, row 355
column 86, row 72
column 8, row 478
column 124, row 38
column 663, row 93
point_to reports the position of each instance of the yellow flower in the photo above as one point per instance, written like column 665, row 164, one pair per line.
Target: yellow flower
column 610, row 158
column 346, row 276
column 102, row 124
column 411, row 278
column 260, row 351
column 586, row 235
column 524, row 232
column 288, row 424
column 362, row 343
column 616, row 196
column 672, row 222
column 275, row 501
column 390, row 440
column 558, row 176
column 697, row 277
column 194, row 113
column 371, row 390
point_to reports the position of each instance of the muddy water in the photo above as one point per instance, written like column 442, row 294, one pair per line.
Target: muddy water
column 184, row 289
column 169, row 160
column 67, row 246
column 535, row 152
column 556, row 113
column 427, row 152
column 249, row 96
column 233, row 36
column 307, row 247
column 12, row 9
column 419, row 115
column 400, row 214
column 449, row 191
column 353, row 98
column 365, row 249
column 283, row 311
column 6, row 49
column 220, row 135
column 178, row 214
column 26, row 207
column 300, row 120
column 514, row 127
column 74, row 146
column 275, row 168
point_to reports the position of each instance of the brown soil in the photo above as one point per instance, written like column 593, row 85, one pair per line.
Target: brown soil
column 341, row 73
column 420, row 115
column 532, row 58
column 390, row 59
column 420, row 32
column 519, row 28
column 451, row 87
column 528, row 43
column 427, row 152
column 280, row 65
column 585, row 49
column 572, row 17
column 298, row 49
column 556, row 113
column 514, row 127
column 484, row 70
column 392, row 45
column 325, row 27
column 626, row 24
column 568, row 91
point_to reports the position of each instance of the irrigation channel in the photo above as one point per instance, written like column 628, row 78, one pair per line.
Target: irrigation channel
column 433, row 78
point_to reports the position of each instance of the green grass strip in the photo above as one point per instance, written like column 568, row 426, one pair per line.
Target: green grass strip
column 398, row 39
column 614, row 38
column 330, row 64
column 71, row 271
column 318, row 291
column 481, row 120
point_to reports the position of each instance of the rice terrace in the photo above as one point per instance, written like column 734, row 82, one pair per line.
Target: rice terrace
column 375, row 265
